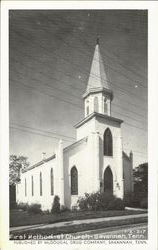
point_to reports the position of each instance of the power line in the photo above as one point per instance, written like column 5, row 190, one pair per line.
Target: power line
column 63, row 81
column 34, row 89
column 73, row 63
column 45, row 28
column 50, row 95
column 117, row 88
column 76, row 97
column 128, row 124
column 115, row 57
column 78, row 38
column 41, row 130
column 45, row 49
column 37, row 133
column 135, row 151
column 71, row 102
column 95, row 76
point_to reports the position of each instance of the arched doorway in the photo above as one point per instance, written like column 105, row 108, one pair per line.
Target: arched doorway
column 108, row 181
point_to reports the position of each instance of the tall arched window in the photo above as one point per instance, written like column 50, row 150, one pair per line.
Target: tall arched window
column 51, row 182
column 74, row 181
column 87, row 110
column 108, row 145
column 32, row 185
column 25, row 187
column 40, row 184
column 105, row 107
column 96, row 107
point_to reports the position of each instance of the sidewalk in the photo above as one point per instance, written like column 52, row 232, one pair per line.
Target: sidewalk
column 77, row 222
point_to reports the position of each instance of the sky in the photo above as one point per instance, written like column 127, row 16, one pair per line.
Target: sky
column 50, row 55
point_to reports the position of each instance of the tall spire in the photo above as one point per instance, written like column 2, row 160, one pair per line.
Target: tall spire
column 97, row 77
column 98, row 95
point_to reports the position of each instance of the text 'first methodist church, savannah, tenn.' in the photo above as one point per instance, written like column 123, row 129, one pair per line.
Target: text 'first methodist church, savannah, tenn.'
column 95, row 162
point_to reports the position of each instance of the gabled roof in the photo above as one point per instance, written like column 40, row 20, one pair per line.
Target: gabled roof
column 40, row 163
column 75, row 144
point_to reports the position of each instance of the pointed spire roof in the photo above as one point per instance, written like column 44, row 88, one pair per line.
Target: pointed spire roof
column 97, row 77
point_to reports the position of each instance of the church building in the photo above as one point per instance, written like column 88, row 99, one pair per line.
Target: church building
column 95, row 162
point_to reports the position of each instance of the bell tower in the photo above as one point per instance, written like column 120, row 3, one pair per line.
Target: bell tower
column 98, row 95
column 101, row 131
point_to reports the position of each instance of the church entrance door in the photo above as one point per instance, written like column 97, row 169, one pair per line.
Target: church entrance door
column 108, row 181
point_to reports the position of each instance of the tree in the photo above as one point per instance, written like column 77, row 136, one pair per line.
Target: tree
column 141, row 179
column 16, row 163
column 56, row 205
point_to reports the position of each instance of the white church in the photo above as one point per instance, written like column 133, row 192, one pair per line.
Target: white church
column 95, row 162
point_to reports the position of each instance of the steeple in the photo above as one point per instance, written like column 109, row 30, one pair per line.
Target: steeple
column 98, row 95
column 97, row 76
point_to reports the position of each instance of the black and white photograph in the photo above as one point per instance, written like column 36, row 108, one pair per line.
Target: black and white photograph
column 78, row 124
column 76, row 127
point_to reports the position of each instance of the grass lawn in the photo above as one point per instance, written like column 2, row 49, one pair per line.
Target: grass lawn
column 48, row 232
column 22, row 218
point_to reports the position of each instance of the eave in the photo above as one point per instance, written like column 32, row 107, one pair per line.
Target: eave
column 95, row 114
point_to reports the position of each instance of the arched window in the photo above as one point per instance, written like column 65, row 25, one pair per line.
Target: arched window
column 96, row 108
column 108, row 145
column 87, row 110
column 51, row 182
column 105, row 107
column 25, row 187
column 32, row 185
column 74, row 181
column 40, row 184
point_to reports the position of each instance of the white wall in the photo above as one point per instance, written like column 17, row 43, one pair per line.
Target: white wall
column 46, row 199
column 86, row 129
column 87, row 156
column 115, row 161
column 77, row 156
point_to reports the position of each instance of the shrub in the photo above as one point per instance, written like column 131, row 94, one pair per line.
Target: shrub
column 56, row 205
column 74, row 208
column 116, row 204
column 92, row 200
column 46, row 211
column 23, row 206
column 132, row 200
column 137, row 200
column 82, row 203
column 104, row 200
column 144, row 203
column 64, row 209
column 100, row 201
column 34, row 208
